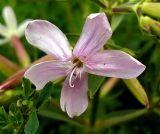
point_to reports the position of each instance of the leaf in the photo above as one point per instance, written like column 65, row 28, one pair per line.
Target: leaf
column 15, row 115
column 32, row 124
column 59, row 116
column 137, row 90
column 94, row 83
column 28, row 91
column 116, row 20
column 3, row 115
column 119, row 117
column 12, row 109
column 44, row 94
column 52, row 110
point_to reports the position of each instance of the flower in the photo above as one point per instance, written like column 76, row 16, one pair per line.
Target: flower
column 11, row 27
column 85, row 58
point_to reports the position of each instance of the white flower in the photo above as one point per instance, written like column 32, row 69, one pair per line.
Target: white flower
column 11, row 27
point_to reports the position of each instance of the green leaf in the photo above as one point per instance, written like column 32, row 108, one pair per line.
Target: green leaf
column 119, row 117
column 3, row 115
column 137, row 90
column 8, row 126
column 27, row 90
column 12, row 109
column 52, row 110
column 94, row 83
column 116, row 20
column 59, row 116
column 44, row 94
column 32, row 124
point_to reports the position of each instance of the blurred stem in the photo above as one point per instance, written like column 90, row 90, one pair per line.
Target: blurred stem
column 21, row 53
column 108, row 86
column 7, row 67
column 94, row 108
column 14, row 80
column 122, row 9
column 8, row 96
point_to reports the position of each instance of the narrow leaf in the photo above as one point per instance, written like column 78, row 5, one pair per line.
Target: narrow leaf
column 3, row 115
column 137, row 90
column 52, row 110
column 32, row 124
column 28, row 91
column 116, row 20
column 119, row 117
column 59, row 116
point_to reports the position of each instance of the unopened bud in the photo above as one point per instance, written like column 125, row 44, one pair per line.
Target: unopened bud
column 151, row 9
column 150, row 25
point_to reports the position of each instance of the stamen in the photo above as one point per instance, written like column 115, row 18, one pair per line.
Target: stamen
column 70, row 77
column 80, row 73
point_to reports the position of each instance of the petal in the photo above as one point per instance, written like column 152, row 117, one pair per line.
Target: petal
column 9, row 17
column 74, row 100
column 96, row 32
column 114, row 63
column 48, row 38
column 22, row 27
column 44, row 72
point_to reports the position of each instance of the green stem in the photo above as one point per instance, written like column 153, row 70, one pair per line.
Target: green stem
column 122, row 9
column 94, row 108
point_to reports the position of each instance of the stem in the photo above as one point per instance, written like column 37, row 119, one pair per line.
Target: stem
column 122, row 9
column 22, row 55
column 7, row 67
column 108, row 86
column 114, row 9
column 15, row 79
column 94, row 108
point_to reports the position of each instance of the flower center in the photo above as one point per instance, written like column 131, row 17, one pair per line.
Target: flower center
column 77, row 63
column 76, row 71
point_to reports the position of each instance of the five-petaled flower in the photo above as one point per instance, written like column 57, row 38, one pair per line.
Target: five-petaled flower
column 85, row 58
column 11, row 27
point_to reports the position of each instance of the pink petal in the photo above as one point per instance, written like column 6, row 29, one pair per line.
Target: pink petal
column 44, row 72
column 114, row 63
column 74, row 100
column 96, row 32
column 49, row 38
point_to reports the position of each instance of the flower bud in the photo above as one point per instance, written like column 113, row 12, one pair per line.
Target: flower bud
column 150, row 25
column 151, row 9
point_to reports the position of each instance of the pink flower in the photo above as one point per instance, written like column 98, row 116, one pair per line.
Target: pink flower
column 85, row 58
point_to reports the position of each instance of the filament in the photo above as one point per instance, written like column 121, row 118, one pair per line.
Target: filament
column 70, row 77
